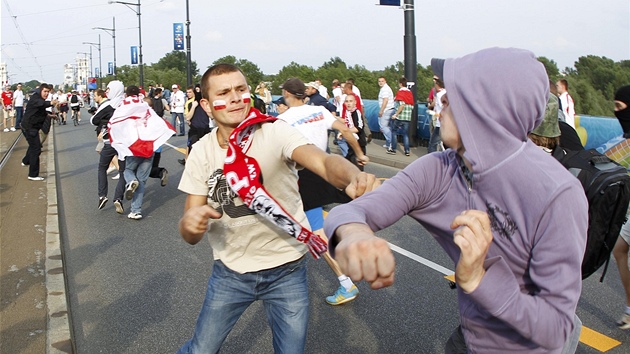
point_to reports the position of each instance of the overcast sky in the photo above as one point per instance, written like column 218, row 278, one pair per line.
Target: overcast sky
column 40, row 36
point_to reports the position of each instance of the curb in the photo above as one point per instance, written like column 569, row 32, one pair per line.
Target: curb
column 58, row 338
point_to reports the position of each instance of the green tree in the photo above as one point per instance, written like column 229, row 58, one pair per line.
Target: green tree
column 551, row 67
column 176, row 60
column 294, row 69
column 252, row 72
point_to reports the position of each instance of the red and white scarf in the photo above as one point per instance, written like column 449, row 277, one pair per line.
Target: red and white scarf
column 244, row 176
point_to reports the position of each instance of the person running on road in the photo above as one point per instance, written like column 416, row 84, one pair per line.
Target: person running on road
column 34, row 119
column 258, row 247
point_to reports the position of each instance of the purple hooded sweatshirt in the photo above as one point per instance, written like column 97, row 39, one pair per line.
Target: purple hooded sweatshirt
column 527, row 298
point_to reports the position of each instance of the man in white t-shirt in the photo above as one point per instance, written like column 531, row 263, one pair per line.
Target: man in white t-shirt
column 435, row 141
column 178, row 99
column 386, row 110
column 566, row 102
column 314, row 122
column 248, row 247
column 18, row 105
column 322, row 89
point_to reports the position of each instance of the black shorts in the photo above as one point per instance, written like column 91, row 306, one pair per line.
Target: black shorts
column 63, row 108
column 76, row 109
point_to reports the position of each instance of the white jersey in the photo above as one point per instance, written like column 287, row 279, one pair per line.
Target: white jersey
column 312, row 121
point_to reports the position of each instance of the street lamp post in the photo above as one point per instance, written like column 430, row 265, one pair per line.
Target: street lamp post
column 111, row 32
column 188, row 59
column 411, row 64
column 129, row 4
column 100, row 63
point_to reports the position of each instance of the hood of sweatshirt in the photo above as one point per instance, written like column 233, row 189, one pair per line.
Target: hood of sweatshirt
column 116, row 93
column 495, row 106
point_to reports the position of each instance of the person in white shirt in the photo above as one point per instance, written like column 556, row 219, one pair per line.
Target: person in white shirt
column 322, row 89
column 63, row 107
column 18, row 105
column 177, row 109
column 566, row 102
column 386, row 104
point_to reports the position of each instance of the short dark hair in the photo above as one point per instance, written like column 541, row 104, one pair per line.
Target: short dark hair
column 215, row 70
column 157, row 91
column 132, row 90
column 565, row 83
column 44, row 85
column 100, row 92
column 403, row 81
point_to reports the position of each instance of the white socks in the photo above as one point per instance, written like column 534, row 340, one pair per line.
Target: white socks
column 346, row 282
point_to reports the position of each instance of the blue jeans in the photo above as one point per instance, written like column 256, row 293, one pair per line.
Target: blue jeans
column 400, row 127
column 434, row 140
column 284, row 292
column 19, row 111
column 137, row 169
column 182, row 122
column 343, row 146
column 384, row 124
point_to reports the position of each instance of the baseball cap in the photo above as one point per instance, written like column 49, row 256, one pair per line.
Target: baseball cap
column 280, row 101
column 175, row 86
column 295, row 87
column 549, row 127
column 313, row 84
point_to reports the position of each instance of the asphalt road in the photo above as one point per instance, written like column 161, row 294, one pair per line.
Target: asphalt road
column 137, row 287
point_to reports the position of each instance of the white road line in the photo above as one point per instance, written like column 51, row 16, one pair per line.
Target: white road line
column 419, row 259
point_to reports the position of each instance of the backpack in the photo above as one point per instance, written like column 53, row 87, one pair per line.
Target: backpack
column 74, row 99
column 259, row 104
column 607, row 187
column 158, row 106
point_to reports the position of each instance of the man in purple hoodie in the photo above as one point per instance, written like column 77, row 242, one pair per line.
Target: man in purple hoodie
column 511, row 218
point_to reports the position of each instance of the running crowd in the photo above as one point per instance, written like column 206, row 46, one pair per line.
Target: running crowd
column 489, row 193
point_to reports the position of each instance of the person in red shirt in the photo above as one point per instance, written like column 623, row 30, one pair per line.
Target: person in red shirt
column 7, row 108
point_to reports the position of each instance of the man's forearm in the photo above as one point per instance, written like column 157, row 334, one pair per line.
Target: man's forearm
column 339, row 171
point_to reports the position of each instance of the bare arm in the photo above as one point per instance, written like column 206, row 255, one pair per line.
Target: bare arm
column 191, row 111
column 362, row 159
column 194, row 223
column 335, row 169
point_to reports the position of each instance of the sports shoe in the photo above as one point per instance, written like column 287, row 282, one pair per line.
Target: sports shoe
column 341, row 296
column 119, row 206
column 101, row 202
column 135, row 216
column 164, row 177
column 391, row 152
column 12, row 129
column 6, row 130
column 182, row 161
column 23, row 164
column 624, row 322
column 131, row 188
column 117, row 176
column 407, row 153
column 36, row 178
column 111, row 169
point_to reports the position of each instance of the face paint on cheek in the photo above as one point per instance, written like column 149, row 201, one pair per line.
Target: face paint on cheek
column 219, row 104
column 247, row 98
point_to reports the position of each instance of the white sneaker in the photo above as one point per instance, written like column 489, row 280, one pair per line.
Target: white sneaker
column 134, row 216
column 6, row 130
column 116, row 177
column 111, row 169
column 12, row 129
column 624, row 322
column 36, row 178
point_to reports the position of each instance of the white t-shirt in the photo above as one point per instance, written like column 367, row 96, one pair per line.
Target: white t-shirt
column 18, row 98
column 178, row 100
column 438, row 105
column 568, row 108
column 312, row 121
column 337, row 92
column 323, row 91
column 386, row 92
column 243, row 240
column 357, row 92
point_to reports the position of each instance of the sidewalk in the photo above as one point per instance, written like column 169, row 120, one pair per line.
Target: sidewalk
column 33, row 312
column 378, row 154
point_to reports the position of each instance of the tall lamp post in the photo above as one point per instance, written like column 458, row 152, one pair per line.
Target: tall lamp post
column 100, row 63
column 111, row 32
column 411, row 65
column 188, row 59
column 129, row 4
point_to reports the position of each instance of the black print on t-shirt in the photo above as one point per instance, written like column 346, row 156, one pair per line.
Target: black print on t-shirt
column 220, row 193
column 500, row 221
